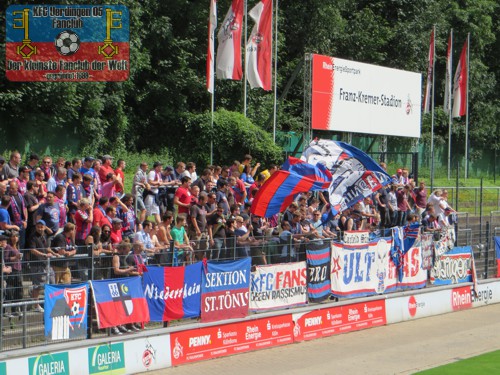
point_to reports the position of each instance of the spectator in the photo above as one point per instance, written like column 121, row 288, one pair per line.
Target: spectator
column 59, row 179
column 48, row 169
column 116, row 231
column 64, row 244
column 32, row 206
column 191, row 169
column 111, row 185
column 139, row 185
column 12, row 258
column 198, row 227
column 119, row 172
column 420, row 198
column 40, row 186
column 11, row 169
column 402, row 196
column 22, row 179
column 392, row 202
column 217, row 233
column 76, row 164
column 122, row 269
column 88, row 162
column 106, row 167
column 60, row 197
column 18, row 212
column 182, row 197
column 222, row 198
column 33, row 161
column 183, row 252
column 155, row 181
column 99, row 215
column 39, row 253
column 237, row 188
column 101, row 254
column 74, row 192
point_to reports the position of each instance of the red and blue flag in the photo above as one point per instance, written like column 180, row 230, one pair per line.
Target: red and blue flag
column 119, row 301
column 173, row 292
column 294, row 177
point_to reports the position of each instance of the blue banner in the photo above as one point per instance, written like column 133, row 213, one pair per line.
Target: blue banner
column 66, row 311
column 225, row 290
column 173, row 292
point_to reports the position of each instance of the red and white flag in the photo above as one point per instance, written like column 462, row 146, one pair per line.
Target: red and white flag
column 430, row 72
column 212, row 24
column 260, row 46
column 447, row 86
column 229, row 38
column 460, row 85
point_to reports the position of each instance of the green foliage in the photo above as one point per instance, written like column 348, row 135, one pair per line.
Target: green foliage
column 233, row 136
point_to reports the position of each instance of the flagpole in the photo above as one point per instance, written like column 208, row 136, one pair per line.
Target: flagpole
column 245, row 60
column 212, row 128
column 275, row 73
column 467, row 112
column 432, row 103
column 450, row 118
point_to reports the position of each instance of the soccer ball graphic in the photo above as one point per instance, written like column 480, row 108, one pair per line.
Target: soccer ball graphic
column 75, row 308
column 67, row 42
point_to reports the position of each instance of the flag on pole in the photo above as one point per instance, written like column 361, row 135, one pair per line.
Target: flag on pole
column 447, row 87
column 430, row 72
column 228, row 62
column 260, row 46
column 212, row 24
column 460, row 85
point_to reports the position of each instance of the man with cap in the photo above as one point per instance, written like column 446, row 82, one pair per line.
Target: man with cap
column 106, row 167
column 155, row 181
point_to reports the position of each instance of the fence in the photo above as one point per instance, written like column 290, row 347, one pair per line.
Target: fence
column 22, row 322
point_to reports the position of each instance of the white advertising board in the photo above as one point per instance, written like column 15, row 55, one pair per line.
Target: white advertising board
column 350, row 96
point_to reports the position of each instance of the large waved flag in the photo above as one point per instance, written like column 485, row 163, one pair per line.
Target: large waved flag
column 212, row 24
column 173, row 292
column 447, row 86
column 430, row 72
column 460, row 85
column 228, row 65
column 260, row 45
column 354, row 174
column 119, row 301
column 294, row 177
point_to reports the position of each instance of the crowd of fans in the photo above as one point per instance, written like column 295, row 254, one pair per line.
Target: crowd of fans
column 53, row 212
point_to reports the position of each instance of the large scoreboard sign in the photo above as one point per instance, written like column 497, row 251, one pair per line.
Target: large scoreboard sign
column 67, row 43
column 354, row 97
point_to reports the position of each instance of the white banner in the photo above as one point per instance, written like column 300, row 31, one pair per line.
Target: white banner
column 279, row 285
column 367, row 269
column 353, row 97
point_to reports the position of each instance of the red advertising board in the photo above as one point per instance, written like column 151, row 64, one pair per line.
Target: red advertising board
column 341, row 319
column 218, row 341
column 461, row 298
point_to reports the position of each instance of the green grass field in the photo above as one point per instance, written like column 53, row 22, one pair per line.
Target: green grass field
column 488, row 363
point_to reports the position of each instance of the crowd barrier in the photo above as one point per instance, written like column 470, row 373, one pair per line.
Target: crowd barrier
column 316, row 271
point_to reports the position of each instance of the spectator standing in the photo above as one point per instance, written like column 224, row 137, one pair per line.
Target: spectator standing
column 139, row 185
column 65, row 246
column 11, row 169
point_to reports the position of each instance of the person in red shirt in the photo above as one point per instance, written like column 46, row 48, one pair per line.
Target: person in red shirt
column 116, row 231
column 120, row 167
column 100, row 212
column 106, row 167
column 182, row 197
